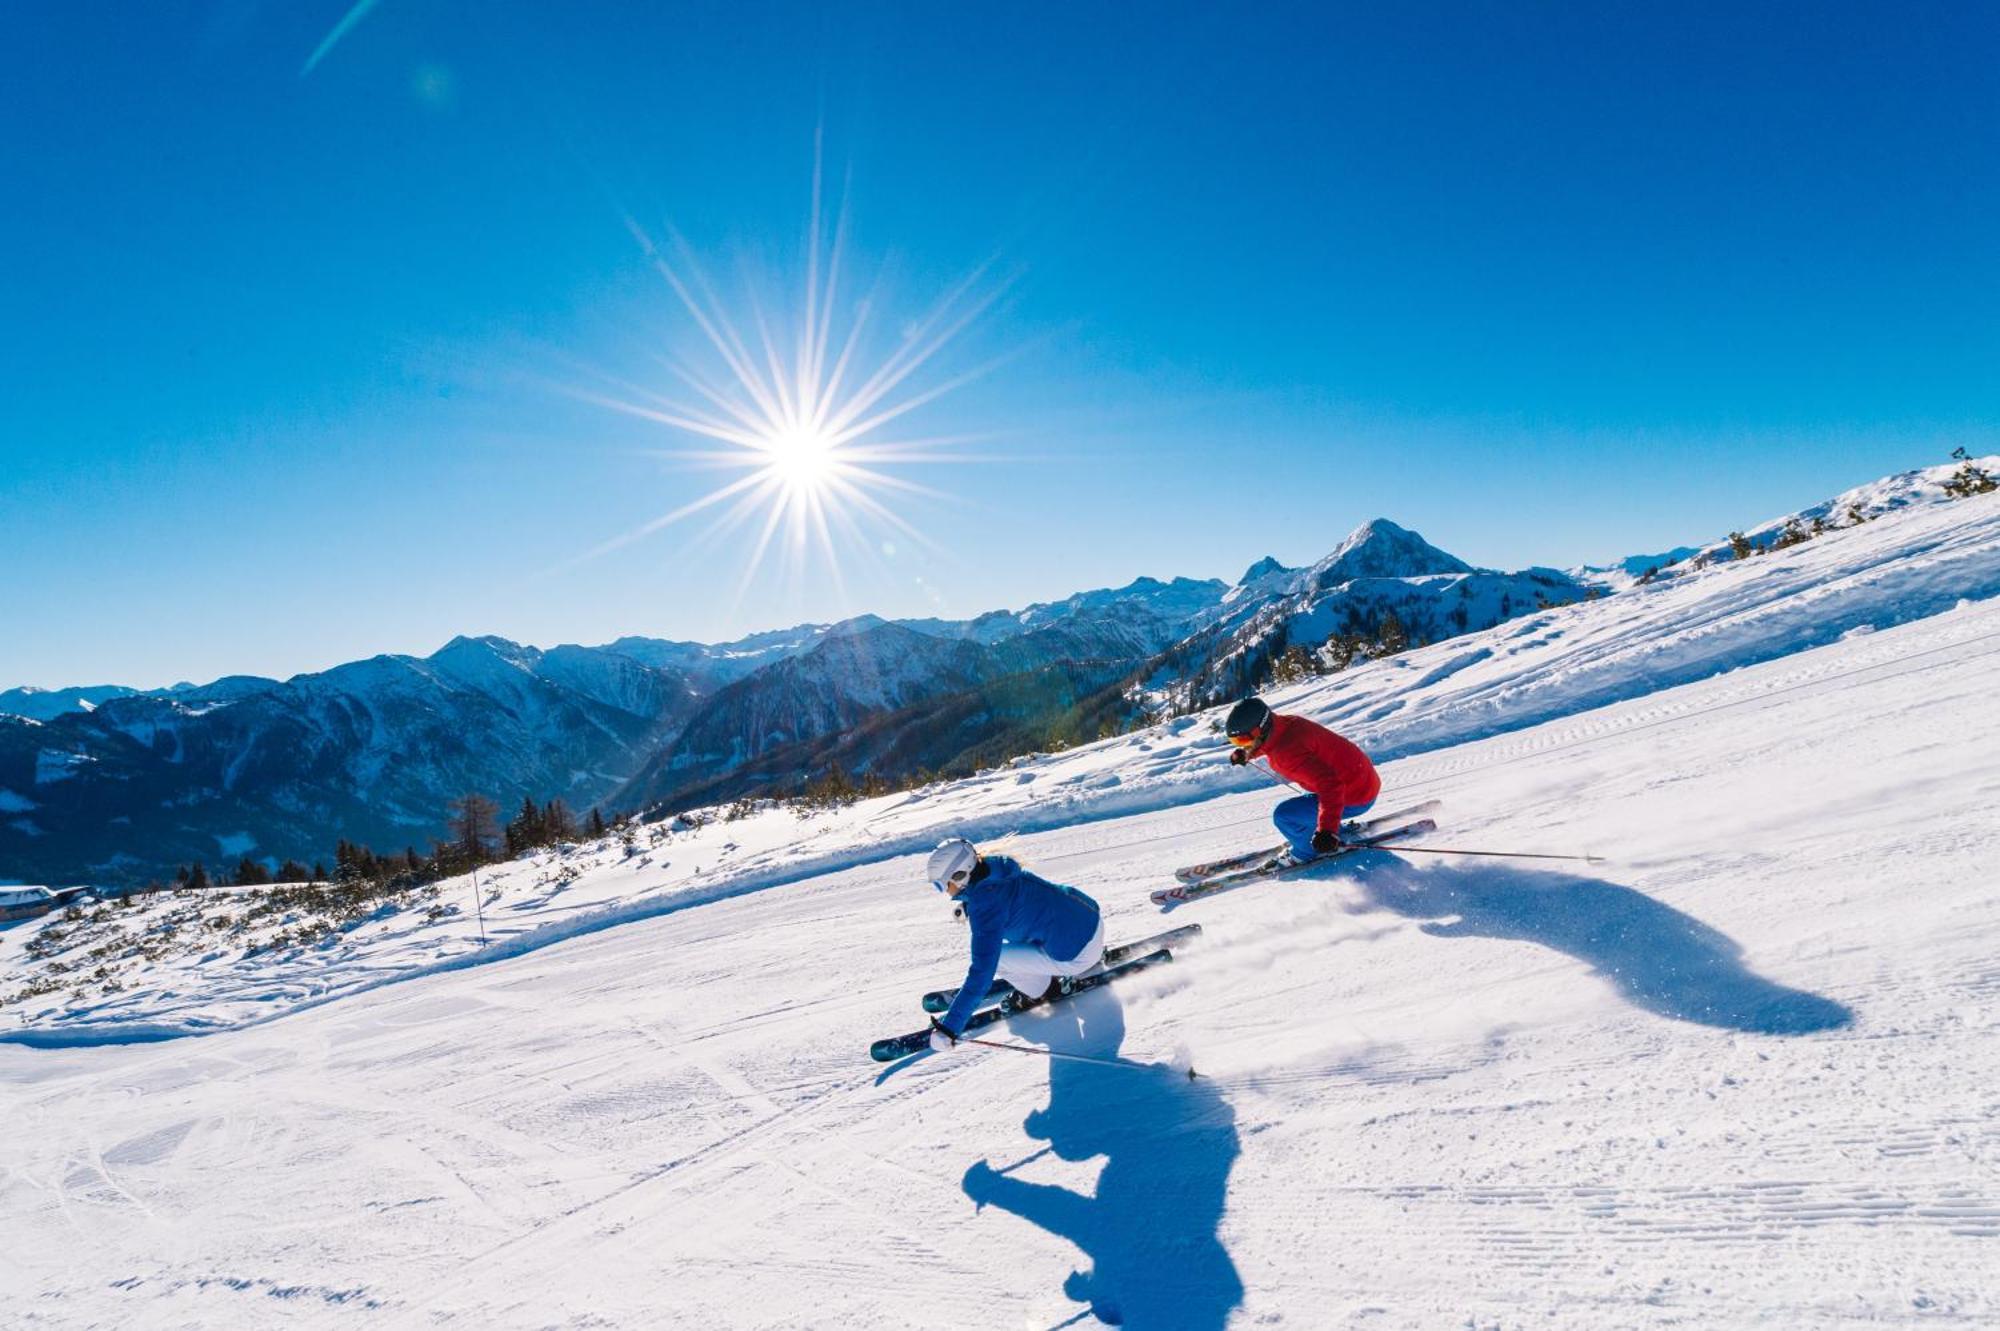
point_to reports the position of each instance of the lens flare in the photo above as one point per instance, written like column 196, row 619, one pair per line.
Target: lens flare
column 803, row 407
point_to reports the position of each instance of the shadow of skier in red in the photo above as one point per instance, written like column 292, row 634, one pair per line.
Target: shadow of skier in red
column 1658, row 958
column 1168, row 1142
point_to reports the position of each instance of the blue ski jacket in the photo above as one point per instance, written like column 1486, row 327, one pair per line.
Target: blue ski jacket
column 1007, row 904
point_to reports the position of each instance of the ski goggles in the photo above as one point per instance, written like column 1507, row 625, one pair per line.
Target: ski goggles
column 959, row 878
column 1243, row 741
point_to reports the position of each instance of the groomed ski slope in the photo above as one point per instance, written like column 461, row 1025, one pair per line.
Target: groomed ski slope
column 1741, row 1075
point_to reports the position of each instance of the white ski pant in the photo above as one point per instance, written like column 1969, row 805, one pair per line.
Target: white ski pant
column 1030, row 969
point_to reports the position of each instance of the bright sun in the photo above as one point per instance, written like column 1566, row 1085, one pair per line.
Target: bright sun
column 802, row 459
column 803, row 411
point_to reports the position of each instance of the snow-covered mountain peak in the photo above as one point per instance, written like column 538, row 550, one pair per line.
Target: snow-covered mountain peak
column 1260, row 570
column 848, row 628
column 1382, row 549
column 1266, row 577
column 488, row 664
column 486, row 646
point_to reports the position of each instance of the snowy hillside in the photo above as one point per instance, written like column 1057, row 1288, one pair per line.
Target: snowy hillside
column 1842, row 588
column 1738, row 1075
column 1921, row 487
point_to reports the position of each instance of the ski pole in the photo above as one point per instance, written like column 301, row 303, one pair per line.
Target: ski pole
column 1266, row 770
column 1399, row 848
column 1074, row 1058
column 1023, row 1162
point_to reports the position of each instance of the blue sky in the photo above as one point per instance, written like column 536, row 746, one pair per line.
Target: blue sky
column 292, row 357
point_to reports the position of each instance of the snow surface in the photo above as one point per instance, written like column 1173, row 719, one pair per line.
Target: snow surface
column 1738, row 1075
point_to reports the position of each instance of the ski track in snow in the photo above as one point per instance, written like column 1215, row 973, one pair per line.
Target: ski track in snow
column 1739, row 1076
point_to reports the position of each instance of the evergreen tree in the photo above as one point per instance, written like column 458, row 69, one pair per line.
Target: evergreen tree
column 197, row 879
column 1295, row 663
column 596, row 823
column 291, row 871
column 249, row 873
column 524, row 832
column 1341, row 649
column 558, row 823
column 1855, row 517
column 1741, row 546
column 1392, row 635
column 1970, row 479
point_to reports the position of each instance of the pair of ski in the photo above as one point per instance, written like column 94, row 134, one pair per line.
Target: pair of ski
column 1206, row 880
column 1003, row 1001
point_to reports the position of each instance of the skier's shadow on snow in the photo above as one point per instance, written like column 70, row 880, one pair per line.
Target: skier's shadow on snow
column 1658, row 958
column 1169, row 1143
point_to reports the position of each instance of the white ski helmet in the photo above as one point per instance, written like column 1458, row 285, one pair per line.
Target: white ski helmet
column 953, row 858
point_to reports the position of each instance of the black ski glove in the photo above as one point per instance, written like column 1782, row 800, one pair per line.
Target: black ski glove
column 1238, row 757
column 1325, row 840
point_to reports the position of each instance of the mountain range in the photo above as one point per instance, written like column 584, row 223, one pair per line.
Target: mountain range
column 112, row 785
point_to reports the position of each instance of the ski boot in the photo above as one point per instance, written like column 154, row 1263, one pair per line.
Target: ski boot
column 1021, row 1001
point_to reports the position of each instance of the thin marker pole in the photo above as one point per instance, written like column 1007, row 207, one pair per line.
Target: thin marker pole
column 479, row 905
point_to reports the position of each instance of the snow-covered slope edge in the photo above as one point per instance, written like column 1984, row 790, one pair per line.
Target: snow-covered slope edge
column 1919, row 487
column 1904, row 567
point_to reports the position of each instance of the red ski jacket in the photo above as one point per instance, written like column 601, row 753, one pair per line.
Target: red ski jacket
column 1307, row 754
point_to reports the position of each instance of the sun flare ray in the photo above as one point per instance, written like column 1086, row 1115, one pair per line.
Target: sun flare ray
column 772, row 400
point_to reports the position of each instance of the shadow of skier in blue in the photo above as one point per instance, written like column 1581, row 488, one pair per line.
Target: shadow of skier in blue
column 1659, row 959
column 1169, row 1143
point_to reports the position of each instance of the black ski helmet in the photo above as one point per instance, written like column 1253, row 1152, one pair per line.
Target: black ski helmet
column 1249, row 717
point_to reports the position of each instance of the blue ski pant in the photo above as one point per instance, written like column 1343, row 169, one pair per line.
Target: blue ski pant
column 1298, row 818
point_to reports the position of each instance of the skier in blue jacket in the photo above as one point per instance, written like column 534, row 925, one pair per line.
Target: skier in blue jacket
column 1025, row 930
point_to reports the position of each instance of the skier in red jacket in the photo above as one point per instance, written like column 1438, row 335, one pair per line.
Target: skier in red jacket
column 1339, row 780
